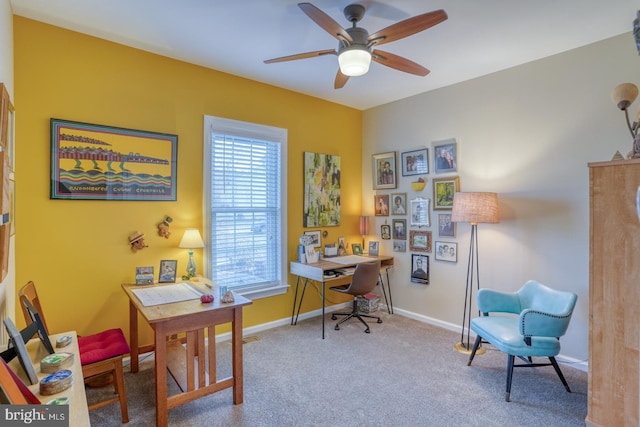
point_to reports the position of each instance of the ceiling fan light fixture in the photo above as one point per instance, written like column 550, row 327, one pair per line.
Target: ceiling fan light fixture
column 354, row 62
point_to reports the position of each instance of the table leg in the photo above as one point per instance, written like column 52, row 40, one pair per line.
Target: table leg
column 161, row 376
column 389, row 287
column 322, row 285
column 304, row 288
column 133, row 336
column 236, row 344
column 384, row 292
column 295, row 299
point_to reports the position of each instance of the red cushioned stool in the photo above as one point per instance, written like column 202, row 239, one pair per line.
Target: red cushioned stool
column 100, row 353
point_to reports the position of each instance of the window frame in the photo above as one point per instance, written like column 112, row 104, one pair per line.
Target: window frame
column 219, row 125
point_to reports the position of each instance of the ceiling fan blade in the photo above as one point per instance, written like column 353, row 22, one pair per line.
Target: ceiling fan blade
column 399, row 63
column 325, row 21
column 341, row 80
column 301, row 56
column 407, row 27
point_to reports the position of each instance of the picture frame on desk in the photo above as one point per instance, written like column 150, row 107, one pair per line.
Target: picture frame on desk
column 144, row 275
column 17, row 344
column 317, row 238
column 356, row 248
column 374, row 248
column 167, row 272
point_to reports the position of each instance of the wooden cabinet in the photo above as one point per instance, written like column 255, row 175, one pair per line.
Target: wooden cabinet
column 614, row 294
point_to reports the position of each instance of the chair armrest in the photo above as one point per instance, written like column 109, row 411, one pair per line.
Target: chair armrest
column 498, row 302
column 541, row 324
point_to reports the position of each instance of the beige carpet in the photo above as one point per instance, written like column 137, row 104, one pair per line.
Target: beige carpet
column 404, row 373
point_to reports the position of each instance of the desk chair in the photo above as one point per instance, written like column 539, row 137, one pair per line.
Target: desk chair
column 365, row 278
column 543, row 317
column 100, row 353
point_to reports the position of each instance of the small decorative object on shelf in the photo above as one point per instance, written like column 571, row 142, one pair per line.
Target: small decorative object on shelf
column 163, row 227
column 56, row 382
column 63, row 341
column 206, row 298
column 228, row 297
column 136, row 240
column 56, row 361
column 419, row 184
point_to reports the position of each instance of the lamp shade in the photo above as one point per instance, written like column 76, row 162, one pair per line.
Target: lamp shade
column 624, row 94
column 191, row 239
column 475, row 207
column 364, row 225
column 354, row 61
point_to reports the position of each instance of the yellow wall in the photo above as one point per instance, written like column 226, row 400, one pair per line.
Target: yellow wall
column 77, row 251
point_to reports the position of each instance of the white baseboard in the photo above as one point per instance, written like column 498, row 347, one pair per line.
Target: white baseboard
column 581, row 365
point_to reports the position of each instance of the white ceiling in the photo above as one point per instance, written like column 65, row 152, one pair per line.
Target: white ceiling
column 236, row 36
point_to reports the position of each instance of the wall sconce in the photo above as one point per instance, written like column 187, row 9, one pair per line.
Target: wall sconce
column 191, row 240
column 623, row 96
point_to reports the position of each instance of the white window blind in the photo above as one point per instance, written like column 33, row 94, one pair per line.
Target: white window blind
column 245, row 232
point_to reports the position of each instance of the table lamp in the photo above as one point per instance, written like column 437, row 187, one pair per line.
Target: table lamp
column 191, row 240
column 364, row 228
column 472, row 208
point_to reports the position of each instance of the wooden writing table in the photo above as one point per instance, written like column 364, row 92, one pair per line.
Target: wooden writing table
column 315, row 271
column 192, row 317
column 78, row 409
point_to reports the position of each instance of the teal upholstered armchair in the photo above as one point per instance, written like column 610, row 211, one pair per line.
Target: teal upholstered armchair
column 543, row 316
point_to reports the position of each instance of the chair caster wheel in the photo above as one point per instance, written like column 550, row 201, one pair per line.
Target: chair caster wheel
column 333, row 317
column 366, row 331
column 379, row 320
column 337, row 328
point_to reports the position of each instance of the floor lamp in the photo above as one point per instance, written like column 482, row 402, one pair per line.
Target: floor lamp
column 473, row 208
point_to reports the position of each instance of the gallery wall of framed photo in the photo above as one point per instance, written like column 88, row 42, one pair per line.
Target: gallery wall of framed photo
column 417, row 218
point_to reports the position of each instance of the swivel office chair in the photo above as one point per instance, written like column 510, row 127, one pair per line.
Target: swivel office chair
column 100, row 353
column 543, row 317
column 365, row 278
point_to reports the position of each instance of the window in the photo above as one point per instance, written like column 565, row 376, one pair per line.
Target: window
column 245, row 206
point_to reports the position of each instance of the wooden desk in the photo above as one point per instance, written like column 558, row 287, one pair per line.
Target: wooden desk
column 194, row 379
column 78, row 409
column 315, row 271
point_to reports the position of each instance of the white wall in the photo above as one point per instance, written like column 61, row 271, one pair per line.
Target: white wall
column 7, row 287
column 526, row 133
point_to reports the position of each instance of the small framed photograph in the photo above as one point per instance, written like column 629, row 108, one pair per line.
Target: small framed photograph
column 446, row 251
column 374, row 248
column 445, row 156
column 420, row 212
column 316, row 236
column 420, row 269
column 144, row 275
column 381, row 204
column 415, row 162
column 167, row 272
column 443, row 191
column 356, row 248
column 420, row 241
column 398, row 203
column 384, row 171
column 342, row 246
column 385, row 231
column 446, row 228
column 399, row 246
column 399, row 229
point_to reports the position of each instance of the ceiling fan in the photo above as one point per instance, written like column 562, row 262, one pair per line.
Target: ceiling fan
column 356, row 46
